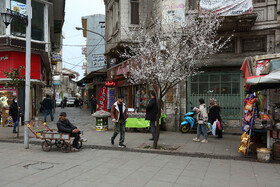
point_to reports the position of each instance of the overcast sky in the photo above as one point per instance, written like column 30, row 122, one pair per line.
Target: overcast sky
column 75, row 9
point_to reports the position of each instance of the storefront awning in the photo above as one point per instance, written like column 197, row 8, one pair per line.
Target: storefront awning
column 97, row 76
column 261, row 74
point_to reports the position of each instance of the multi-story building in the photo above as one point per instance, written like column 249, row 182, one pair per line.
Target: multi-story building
column 46, row 29
column 94, row 32
column 253, row 33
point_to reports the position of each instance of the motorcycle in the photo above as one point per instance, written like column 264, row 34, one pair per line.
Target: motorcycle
column 191, row 122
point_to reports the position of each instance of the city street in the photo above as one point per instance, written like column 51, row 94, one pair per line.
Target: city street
column 91, row 167
column 226, row 148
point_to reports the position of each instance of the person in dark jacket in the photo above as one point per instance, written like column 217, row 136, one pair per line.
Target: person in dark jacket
column 65, row 126
column 93, row 102
column 48, row 107
column 13, row 112
column 76, row 102
column 151, row 114
column 214, row 114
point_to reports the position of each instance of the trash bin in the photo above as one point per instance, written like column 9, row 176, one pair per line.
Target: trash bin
column 101, row 123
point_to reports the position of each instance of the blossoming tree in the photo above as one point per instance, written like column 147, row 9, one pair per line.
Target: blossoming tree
column 169, row 51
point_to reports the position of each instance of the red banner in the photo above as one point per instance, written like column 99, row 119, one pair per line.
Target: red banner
column 103, row 99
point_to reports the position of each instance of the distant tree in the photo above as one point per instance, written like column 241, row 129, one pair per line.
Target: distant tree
column 169, row 51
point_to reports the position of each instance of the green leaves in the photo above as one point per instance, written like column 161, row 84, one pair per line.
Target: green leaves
column 16, row 76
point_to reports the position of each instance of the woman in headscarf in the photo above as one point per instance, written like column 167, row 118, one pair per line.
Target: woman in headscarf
column 214, row 114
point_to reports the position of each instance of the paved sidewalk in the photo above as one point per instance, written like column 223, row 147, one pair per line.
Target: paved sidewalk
column 105, row 168
column 226, row 148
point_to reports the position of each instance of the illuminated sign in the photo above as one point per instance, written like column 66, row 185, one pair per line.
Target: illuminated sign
column 110, row 83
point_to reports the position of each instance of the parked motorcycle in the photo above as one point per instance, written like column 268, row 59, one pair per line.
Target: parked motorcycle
column 191, row 122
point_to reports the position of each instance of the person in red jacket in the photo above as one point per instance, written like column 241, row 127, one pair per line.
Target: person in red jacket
column 119, row 117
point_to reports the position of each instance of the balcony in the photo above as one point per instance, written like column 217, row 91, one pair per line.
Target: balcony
column 242, row 23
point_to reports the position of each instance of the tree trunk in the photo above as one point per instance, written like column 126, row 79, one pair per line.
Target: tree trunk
column 157, row 123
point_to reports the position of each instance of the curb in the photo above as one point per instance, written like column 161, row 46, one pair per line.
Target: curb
column 161, row 152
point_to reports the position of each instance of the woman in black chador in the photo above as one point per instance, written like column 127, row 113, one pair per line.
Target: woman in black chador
column 214, row 114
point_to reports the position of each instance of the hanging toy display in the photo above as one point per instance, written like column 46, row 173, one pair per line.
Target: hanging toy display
column 4, row 101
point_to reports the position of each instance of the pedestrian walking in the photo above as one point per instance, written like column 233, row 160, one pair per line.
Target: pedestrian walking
column 151, row 114
column 13, row 112
column 48, row 106
column 76, row 102
column 119, row 117
column 202, row 117
column 214, row 115
column 81, row 102
column 93, row 102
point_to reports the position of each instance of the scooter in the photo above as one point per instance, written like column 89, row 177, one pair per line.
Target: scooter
column 191, row 121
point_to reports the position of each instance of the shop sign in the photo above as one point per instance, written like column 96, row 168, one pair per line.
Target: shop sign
column 103, row 99
column 56, row 82
column 227, row 7
column 84, row 50
column 174, row 10
column 110, row 83
column 98, row 61
column 4, row 88
column 122, row 70
column 56, row 57
column 111, row 97
column 4, row 57
column 18, row 7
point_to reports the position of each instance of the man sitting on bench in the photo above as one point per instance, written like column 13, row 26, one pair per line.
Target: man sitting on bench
column 65, row 126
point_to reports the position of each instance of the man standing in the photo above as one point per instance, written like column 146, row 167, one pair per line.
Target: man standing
column 151, row 114
column 119, row 117
column 48, row 106
column 93, row 103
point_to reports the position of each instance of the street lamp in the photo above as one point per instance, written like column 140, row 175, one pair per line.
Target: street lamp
column 7, row 18
column 79, row 28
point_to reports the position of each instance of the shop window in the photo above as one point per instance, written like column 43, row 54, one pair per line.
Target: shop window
column 141, row 97
column 18, row 28
column 134, row 12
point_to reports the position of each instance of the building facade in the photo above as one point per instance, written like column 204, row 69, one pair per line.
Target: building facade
column 46, row 28
column 94, row 32
column 251, row 34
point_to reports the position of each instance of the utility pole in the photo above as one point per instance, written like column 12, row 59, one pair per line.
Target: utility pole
column 27, row 73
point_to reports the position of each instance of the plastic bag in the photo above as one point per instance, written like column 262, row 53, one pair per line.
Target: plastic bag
column 214, row 126
column 219, row 125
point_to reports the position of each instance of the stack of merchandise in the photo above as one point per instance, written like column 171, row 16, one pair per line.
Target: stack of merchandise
column 101, row 114
column 248, row 122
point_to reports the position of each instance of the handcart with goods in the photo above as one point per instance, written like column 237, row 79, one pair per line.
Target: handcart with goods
column 42, row 131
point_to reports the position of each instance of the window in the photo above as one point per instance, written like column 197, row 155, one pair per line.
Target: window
column 254, row 44
column 259, row 1
column 18, row 28
column 217, row 84
column 134, row 12
column 192, row 4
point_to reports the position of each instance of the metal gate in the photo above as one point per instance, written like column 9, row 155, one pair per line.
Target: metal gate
column 227, row 88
